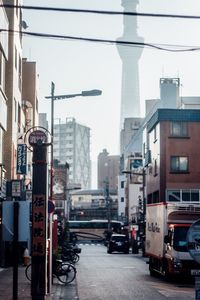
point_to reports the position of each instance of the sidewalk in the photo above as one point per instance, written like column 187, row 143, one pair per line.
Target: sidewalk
column 59, row 291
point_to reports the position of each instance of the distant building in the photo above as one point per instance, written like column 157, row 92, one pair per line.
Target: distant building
column 72, row 146
column 30, row 85
column 128, row 133
column 189, row 102
column 108, row 169
column 43, row 120
column 169, row 98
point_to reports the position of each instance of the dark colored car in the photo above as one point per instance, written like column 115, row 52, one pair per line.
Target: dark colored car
column 119, row 243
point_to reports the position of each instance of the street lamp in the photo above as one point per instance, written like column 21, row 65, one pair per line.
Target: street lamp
column 53, row 97
column 59, row 97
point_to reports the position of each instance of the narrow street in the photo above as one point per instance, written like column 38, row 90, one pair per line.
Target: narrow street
column 123, row 277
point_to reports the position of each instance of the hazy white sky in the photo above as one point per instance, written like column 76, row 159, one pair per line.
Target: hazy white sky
column 75, row 66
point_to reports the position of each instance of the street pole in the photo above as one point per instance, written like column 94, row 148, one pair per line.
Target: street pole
column 52, row 132
column 108, row 205
column 15, row 248
column 51, row 192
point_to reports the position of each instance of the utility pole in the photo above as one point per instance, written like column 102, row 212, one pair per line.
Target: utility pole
column 107, row 196
column 52, row 132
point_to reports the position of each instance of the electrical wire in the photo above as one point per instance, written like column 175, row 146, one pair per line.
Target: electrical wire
column 116, row 42
column 59, row 9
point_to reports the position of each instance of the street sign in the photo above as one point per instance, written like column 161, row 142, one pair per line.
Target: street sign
column 193, row 241
column 51, row 207
column 21, row 159
column 195, row 272
column 16, row 188
column 37, row 137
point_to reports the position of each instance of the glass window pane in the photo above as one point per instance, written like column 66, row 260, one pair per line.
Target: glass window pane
column 179, row 129
column 174, row 196
column 195, row 196
column 186, row 195
column 183, row 163
column 174, row 163
column 175, row 129
column 179, row 163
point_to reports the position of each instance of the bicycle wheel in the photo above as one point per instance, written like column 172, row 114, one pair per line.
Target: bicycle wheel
column 75, row 258
column 66, row 273
column 28, row 272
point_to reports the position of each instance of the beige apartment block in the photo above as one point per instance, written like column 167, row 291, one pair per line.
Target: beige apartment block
column 13, row 85
column 3, row 97
column 30, row 86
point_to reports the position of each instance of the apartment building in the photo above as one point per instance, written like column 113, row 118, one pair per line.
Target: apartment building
column 3, row 97
column 108, row 169
column 13, row 90
column 30, row 87
column 172, row 158
column 72, row 146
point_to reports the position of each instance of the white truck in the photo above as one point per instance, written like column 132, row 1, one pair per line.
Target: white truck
column 167, row 225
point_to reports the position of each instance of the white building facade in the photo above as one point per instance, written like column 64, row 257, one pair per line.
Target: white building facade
column 72, row 145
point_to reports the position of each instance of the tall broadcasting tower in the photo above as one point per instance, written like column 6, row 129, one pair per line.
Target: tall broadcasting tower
column 130, row 97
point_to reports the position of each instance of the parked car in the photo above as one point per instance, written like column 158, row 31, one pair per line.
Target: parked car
column 119, row 243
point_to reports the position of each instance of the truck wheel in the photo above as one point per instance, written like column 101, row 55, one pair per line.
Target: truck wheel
column 151, row 268
column 152, row 272
column 166, row 274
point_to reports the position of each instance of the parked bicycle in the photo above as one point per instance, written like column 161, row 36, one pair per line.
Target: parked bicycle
column 69, row 255
column 63, row 271
column 70, row 252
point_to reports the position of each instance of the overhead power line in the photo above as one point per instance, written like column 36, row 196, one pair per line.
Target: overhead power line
column 60, row 9
column 116, row 42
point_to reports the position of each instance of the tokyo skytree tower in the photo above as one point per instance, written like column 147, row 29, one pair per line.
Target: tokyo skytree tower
column 130, row 96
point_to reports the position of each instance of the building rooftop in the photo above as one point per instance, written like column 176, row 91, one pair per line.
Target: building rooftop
column 179, row 115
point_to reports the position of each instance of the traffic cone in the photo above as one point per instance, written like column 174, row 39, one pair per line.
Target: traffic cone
column 26, row 257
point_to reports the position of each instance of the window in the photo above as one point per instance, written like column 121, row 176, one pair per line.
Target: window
column 2, row 71
column 179, row 129
column 20, row 73
column 183, row 195
column 174, row 196
column 122, row 199
column 19, row 116
column 122, row 184
column 155, row 134
column 155, row 167
column 1, row 144
column 16, row 58
column 15, row 108
column 179, row 164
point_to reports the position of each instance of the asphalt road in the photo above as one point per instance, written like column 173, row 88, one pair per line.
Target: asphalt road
column 102, row 276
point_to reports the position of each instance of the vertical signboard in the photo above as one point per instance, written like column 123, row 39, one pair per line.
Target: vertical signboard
column 16, row 188
column 21, row 159
column 39, row 225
